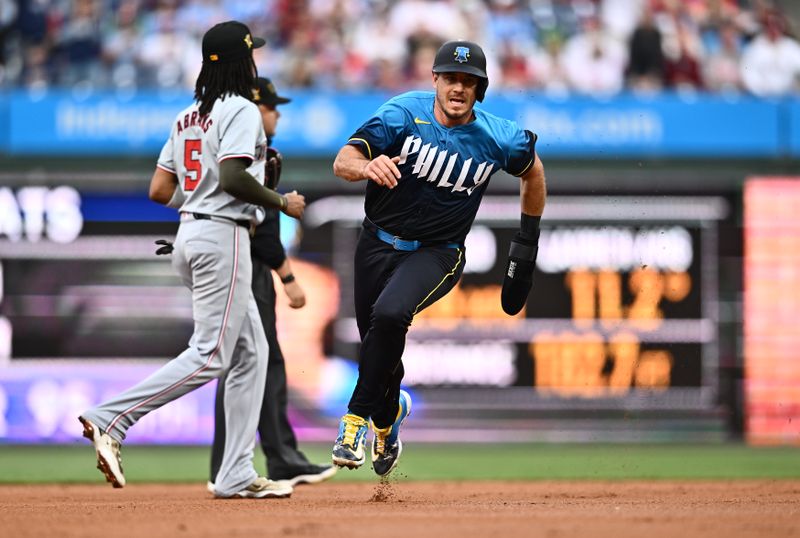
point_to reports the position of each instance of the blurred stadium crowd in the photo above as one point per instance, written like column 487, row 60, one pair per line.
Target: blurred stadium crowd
column 595, row 47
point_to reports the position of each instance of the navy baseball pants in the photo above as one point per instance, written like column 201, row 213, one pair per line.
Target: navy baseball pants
column 391, row 286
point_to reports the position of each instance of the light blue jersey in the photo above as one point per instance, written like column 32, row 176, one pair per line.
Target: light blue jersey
column 444, row 170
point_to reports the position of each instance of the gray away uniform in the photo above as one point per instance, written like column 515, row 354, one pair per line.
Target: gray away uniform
column 212, row 257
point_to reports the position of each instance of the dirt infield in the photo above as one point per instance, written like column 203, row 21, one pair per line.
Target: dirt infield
column 412, row 510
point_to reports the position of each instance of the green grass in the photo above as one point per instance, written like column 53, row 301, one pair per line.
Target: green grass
column 75, row 463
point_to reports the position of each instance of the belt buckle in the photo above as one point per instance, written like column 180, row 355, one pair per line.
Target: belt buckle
column 405, row 245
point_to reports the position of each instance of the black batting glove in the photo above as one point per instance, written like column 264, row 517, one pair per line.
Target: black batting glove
column 165, row 248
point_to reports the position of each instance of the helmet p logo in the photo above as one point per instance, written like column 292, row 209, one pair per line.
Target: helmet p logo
column 249, row 41
column 461, row 54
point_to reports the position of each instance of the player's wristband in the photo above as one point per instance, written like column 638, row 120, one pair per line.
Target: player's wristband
column 288, row 278
column 529, row 228
column 284, row 203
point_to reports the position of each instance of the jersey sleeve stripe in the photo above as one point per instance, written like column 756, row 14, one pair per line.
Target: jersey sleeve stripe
column 165, row 168
column 236, row 156
column 526, row 168
column 369, row 149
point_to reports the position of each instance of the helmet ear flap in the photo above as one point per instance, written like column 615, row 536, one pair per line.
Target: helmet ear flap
column 480, row 91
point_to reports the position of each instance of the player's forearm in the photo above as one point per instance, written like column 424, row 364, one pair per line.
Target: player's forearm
column 236, row 181
column 162, row 186
column 350, row 164
column 533, row 190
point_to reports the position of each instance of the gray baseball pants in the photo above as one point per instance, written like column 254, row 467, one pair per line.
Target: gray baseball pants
column 212, row 258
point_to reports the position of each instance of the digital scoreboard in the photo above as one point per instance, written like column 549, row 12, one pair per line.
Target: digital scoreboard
column 622, row 308
column 624, row 305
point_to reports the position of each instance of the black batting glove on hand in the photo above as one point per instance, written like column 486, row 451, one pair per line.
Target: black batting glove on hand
column 165, row 248
column 273, row 168
column 518, row 278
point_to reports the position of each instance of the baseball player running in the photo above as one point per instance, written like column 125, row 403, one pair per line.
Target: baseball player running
column 428, row 158
column 284, row 460
column 215, row 155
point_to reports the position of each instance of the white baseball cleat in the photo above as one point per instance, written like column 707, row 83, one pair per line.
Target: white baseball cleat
column 109, row 460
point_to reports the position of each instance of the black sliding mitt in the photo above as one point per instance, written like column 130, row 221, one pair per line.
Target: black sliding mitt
column 518, row 279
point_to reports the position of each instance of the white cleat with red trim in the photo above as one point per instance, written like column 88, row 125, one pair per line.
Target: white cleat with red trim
column 109, row 460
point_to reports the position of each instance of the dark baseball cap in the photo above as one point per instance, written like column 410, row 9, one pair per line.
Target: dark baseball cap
column 229, row 41
column 265, row 93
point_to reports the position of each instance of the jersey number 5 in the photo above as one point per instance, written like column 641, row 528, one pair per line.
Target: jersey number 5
column 191, row 161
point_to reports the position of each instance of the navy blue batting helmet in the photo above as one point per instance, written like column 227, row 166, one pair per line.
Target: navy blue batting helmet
column 463, row 57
